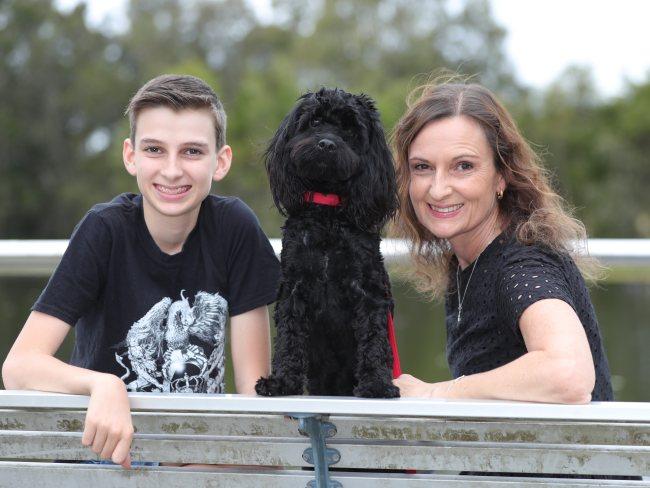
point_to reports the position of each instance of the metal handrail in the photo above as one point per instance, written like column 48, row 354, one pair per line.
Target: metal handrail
column 404, row 407
column 38, row 257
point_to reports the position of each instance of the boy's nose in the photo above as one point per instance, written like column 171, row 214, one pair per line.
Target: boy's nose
column 172, row 168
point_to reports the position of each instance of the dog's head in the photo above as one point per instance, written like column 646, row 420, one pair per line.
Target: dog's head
column 333, row 142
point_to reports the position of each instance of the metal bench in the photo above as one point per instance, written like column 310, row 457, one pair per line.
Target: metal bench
column 328, row 442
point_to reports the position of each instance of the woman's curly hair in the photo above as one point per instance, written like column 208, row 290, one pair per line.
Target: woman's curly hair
column 533, row 212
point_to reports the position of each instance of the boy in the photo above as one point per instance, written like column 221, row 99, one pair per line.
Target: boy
column 148, row 280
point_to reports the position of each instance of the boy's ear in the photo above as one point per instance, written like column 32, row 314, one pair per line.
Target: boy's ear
column 128, row 156
column 224, row 160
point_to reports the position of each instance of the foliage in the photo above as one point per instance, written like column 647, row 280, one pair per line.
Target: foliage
column 64, row 87
column 598, row 151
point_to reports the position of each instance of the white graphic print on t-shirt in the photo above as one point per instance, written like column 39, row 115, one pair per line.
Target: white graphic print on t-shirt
column 161, row 351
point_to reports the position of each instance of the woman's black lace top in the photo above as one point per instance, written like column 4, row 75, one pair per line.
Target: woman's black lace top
column 508, row 278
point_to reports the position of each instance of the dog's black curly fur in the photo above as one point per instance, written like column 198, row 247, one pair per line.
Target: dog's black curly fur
column 334, row 297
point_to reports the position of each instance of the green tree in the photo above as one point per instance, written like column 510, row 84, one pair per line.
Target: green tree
column 58, row 86
column 597, row 150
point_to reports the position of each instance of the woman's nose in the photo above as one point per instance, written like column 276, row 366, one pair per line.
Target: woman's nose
column 439, row 187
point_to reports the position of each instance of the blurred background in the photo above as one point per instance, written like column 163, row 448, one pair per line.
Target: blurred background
column 69, row 68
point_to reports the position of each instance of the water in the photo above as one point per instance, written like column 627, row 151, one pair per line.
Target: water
column 623, row 312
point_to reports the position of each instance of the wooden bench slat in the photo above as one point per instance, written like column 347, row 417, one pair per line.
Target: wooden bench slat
column 459, row 456
column 158, row 423
column 180, row 449
column 506, row 458
column 45, row 474
column 543, row 432
column 370, row 428
column 105, row 476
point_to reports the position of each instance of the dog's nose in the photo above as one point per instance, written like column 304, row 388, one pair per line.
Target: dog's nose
column 326, row 145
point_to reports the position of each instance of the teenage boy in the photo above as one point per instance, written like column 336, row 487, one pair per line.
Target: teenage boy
column 147, row 280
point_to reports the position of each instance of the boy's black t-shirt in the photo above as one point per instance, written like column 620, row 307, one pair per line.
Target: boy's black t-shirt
column 153, row 319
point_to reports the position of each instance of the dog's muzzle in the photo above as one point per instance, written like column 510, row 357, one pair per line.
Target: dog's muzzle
column 326, row 145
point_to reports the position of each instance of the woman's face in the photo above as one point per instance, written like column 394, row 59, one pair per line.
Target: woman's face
column 454, row 182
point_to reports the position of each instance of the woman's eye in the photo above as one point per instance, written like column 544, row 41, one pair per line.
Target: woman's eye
column 464, row 166
column 420, row 167
column 192, row 151
column 152, row 149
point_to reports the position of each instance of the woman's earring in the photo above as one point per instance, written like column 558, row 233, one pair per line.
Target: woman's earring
column 499, row 194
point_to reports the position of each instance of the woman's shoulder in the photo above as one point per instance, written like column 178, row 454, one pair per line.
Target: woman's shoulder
column 518, row 259
column 516, row 253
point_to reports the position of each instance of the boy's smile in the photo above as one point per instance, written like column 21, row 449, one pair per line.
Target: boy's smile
column 174, row 160
column 172, row 191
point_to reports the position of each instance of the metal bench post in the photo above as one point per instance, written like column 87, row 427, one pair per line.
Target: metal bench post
column 321, row 456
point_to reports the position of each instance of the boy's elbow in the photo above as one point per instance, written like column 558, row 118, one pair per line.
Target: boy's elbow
column 574, row 382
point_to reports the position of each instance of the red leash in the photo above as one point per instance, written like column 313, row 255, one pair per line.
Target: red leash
column 397, row 369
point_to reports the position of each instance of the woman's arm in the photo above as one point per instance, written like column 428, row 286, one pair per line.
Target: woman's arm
column 558, row 367
column 250, row 344
column 31, row 365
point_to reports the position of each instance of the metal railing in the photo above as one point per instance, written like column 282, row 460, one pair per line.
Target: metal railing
column 40, row 257
column 406, row 407
column 362, row 439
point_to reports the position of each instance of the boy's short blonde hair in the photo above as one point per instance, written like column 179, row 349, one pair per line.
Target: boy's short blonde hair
column 178, row 92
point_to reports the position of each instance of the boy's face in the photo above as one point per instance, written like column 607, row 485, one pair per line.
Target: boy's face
column 174, row 159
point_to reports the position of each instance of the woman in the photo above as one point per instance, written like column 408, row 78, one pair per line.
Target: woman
column 489, row 233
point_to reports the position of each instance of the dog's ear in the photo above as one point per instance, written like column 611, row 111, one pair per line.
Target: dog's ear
column 286, row 188
column 373, row 199
column 367, row 103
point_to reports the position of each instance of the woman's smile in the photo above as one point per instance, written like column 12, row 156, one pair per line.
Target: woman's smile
column 454, row 183
column 445, row 212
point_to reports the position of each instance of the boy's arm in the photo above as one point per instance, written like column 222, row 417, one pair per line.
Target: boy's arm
column 31, row 365
column 250, row 344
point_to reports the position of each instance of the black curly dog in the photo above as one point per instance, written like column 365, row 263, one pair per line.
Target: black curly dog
column 332, row 175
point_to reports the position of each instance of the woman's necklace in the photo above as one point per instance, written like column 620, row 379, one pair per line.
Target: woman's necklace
column 461, row 299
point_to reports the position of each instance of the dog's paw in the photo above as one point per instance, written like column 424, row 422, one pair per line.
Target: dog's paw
column 376, row 390
column 274, row 386
column 267, row 386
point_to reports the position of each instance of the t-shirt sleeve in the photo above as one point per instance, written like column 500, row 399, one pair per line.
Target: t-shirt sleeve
column 530, row 274
column 252, row 267
column 77, row 282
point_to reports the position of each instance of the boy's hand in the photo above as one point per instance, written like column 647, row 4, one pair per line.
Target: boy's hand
column 108, row 428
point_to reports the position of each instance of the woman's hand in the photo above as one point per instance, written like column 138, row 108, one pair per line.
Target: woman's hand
column 108, row 429
column 410, row 386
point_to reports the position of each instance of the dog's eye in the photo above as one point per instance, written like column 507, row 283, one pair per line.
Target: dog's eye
column 315, row 121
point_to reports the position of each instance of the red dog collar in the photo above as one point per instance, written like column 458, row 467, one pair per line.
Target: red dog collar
column 322, row 198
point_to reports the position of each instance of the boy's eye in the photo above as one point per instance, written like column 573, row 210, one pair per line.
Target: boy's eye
column 152, row 149
column 192, row 151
